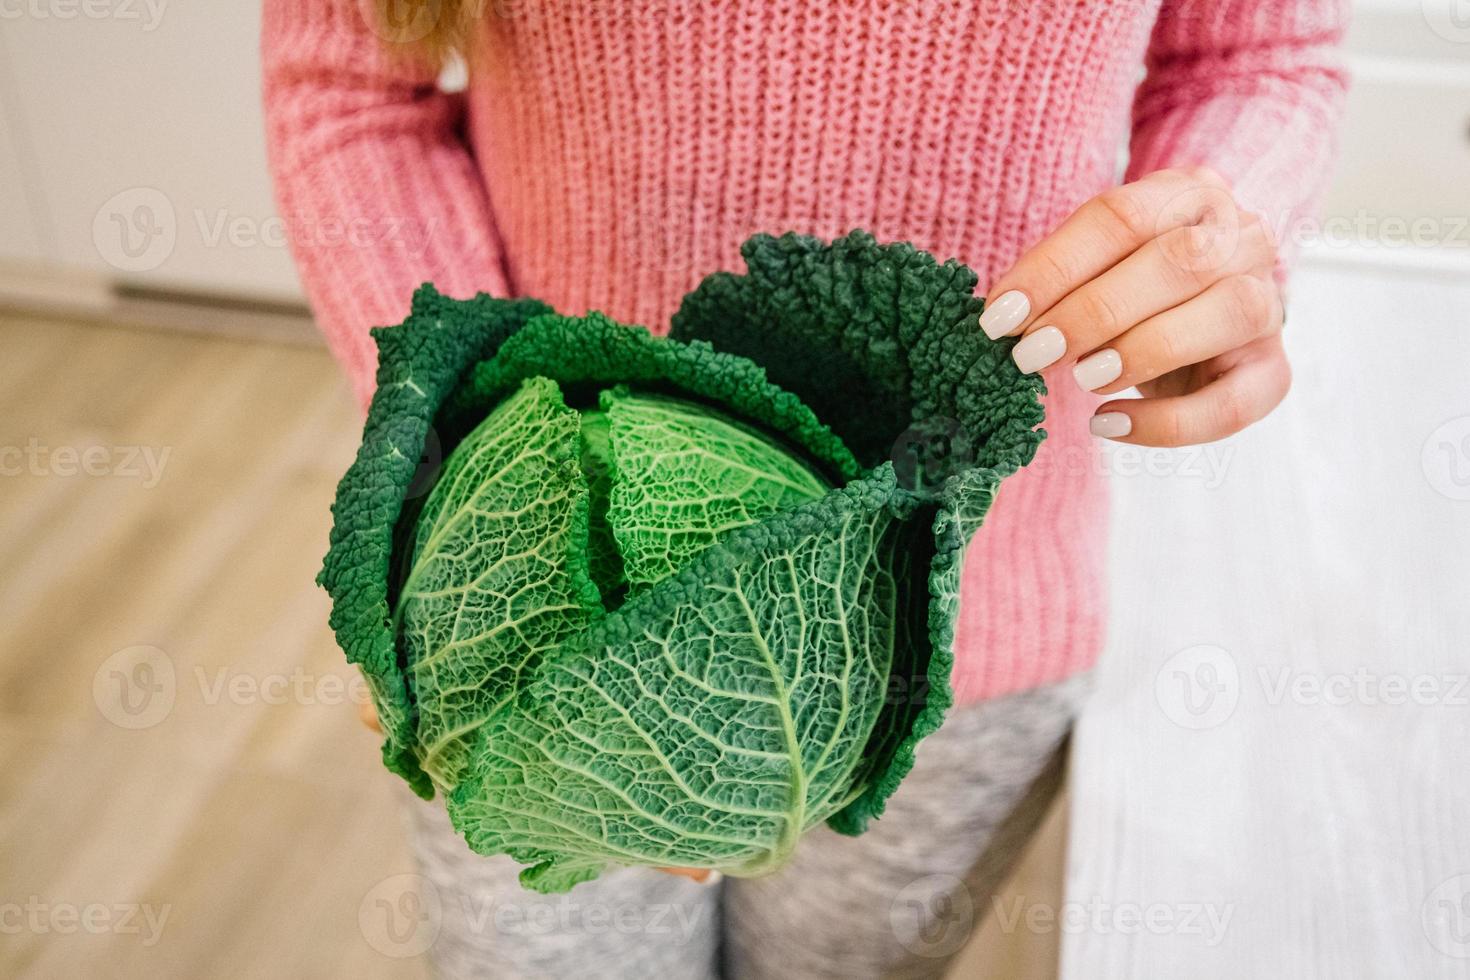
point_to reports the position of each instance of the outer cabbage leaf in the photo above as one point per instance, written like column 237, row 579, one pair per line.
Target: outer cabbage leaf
column 420, row 363
column 882, row 342
column 711, row 721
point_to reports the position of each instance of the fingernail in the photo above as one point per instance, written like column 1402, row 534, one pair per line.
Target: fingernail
column 1004, row 314
column 1110, row 425
column 1096, row 370
column 1039, row 349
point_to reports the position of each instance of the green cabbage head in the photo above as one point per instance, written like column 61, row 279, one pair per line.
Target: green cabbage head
column 674, row 601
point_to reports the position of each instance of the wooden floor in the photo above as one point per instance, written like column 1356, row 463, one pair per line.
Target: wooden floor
column 184, row 789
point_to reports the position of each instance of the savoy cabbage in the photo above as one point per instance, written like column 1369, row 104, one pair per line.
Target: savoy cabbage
column 675, row 601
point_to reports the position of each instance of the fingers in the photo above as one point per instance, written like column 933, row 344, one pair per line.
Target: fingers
column 1229, row 314
column 1096, row 237
column 1254, row 383
column 368, row 715
column 1165, row 272
column 707, row 876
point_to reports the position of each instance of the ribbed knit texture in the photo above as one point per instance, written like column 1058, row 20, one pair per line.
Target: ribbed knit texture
column 609, row 153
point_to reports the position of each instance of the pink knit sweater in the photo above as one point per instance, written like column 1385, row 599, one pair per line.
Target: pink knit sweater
column 608, row 154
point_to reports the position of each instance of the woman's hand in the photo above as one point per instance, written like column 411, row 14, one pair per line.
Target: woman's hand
column 1164, row 284
column 368, row 714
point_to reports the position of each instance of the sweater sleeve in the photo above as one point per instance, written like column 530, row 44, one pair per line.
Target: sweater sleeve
column 1253, row 89
column 374, row 184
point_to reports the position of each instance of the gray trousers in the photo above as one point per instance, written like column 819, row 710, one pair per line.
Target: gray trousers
column 899, row 901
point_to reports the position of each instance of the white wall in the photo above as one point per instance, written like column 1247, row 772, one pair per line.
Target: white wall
column 1402, row 188
column 138, row 116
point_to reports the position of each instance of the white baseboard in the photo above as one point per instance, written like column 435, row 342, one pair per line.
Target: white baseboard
column 58, row 292
column 1449, row 263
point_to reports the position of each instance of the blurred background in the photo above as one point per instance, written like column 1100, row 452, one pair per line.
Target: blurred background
column 1270, row 780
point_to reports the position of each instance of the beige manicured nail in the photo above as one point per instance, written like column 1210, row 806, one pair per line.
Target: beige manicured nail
column 1004, row 314
column 1110, row 425
column 1039, row 349
column 1096, row 370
